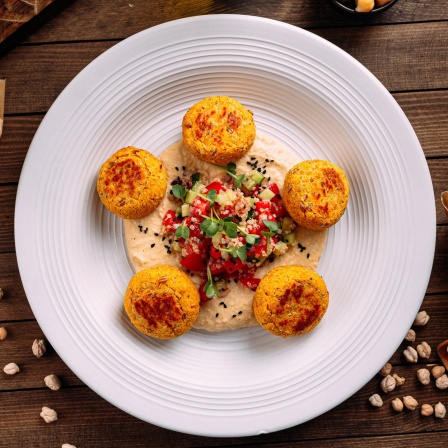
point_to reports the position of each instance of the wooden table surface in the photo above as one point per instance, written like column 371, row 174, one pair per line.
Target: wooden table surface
column 406, row 48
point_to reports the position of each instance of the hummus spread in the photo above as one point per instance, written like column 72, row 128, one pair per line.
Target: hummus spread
column 147, row 246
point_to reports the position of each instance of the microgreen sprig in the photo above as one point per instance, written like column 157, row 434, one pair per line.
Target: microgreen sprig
column 237, row 252
column 182, row 232
column 230, row 169
column 179, row 191
column 210, row 289
column 273, row 227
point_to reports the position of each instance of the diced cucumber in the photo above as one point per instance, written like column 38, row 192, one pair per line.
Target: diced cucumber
column 175, row 245
column 197, row 187
column 251, row 201
column 280, row 248
column 290, row 238
column 257, row 177
column 190, row 197
column 185, row 210
column 287, row 223
column 216, row 238
column 266, row 195
column 249, row 184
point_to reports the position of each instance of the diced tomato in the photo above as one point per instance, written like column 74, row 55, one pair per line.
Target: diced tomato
column 194, row 262
column 233, row 265
column 255, row 228
column 249, row 281
column 216, row 267
column 200, row 207
column 215, row 253
column 263, row 206
column 202, row 294
column 274, row 188
column 194, row 227
column 278, row 208
column 226, row 211
column 216, row 185
column 169, row 220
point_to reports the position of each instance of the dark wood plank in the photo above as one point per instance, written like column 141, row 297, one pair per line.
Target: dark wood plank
column 20, row 18
column 87, row 420
column 18, row 132
column 14, row 305
column 14, row 14
column 7, row 200
column 54, row 66
column 17, row 348
column 428, row 115
column 403, row 57
column 422, row 64
column 99, row 21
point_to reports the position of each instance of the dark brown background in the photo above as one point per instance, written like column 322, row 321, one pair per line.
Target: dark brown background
column 406, row 48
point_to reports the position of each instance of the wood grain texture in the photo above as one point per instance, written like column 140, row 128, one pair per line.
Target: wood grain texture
column 377, row 48
column 14, row 305
column 15, row 13
column 112, row 427
column 99, row 21
column 17, row 348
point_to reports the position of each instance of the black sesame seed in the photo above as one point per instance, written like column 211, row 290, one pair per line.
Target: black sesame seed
column 140, row 228
column 153, row 244
column 164, row 238
column 168, row 252
column 269, row 178
column 252, row 158
column 266, row 160
column 176, row 168
column 272, row 160
column 259, row 169
column 264, row 172
column 217, row 314
column 235, row 280
column 146, row 230
column 156, row 234
column 234, row 315
column 240, row 312
column 183, row 168
column 307, row 255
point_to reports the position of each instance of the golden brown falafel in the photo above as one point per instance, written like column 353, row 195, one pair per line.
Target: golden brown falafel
column 316, row 193
column 290, row 300
column 131, row 183
column 162, row 302
column 218, row 130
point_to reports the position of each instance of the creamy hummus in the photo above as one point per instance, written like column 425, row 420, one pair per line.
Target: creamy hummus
column 148, row 247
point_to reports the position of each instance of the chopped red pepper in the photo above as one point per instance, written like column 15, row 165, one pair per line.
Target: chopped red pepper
column 216, row 185
column 249, row 281
column 194, row 262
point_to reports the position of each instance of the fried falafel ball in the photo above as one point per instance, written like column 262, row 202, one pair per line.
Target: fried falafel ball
column 316, row 193
column 162, row 302
column 218, row 130
column 290, row 300
column 131, row 183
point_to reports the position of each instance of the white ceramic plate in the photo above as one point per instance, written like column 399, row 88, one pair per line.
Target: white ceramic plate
column 316, row 100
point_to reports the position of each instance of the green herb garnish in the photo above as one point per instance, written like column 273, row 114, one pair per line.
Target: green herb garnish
column 182, row 232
